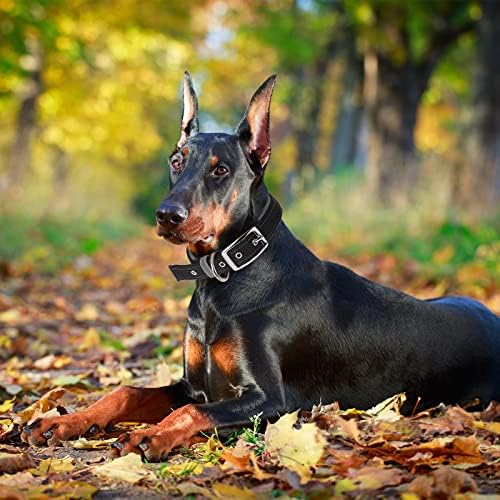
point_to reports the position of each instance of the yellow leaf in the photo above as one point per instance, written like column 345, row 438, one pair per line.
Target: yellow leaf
column 43, row 405
column 91, row 340
column 50, row 465
column 10, row 316
column 7, row 405
column 443, row 255
column 91, row 444
column 88, row 312
column 222, row 490
column 128, row 468
column 297, row 449
column 488, row 426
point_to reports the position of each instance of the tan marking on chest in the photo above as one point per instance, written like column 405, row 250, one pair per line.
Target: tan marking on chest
column 227, row 355
column 194, row 354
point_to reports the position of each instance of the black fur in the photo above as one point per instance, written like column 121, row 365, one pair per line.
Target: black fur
column 306, row 330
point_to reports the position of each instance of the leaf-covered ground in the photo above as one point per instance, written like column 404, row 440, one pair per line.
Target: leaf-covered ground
column 117, row 317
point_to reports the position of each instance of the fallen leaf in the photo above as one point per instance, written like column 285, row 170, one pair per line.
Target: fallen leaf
column 347, row 429
column 20, row 479
column 91, row 444
column 443, row 482
column 222, row 490
column 51, row 465
column 65, row 380
column 14, row 462
column 129, row 468
column 186, row 489
column 389, row 409
column 7, row 405
column 44, row 404
column 374, row 478
column 488, row 426
column 297, row 449
column 52, row 361
column 8, row 493
column 88, row 312
column 162, row 376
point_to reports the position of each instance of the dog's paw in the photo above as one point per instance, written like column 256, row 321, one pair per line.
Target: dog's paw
column 51, row 431
column 153, row 444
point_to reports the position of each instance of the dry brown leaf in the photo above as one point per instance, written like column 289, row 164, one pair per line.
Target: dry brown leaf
column 444, row 482
column 14, row 462
column 8, row 493
column 374, row 478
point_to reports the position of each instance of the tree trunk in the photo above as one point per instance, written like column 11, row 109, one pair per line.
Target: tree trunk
column 20, row 157
column 482, row 175
column 392, row 94
column 348, row 127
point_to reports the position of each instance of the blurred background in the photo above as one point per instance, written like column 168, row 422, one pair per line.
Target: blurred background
column 385, row 125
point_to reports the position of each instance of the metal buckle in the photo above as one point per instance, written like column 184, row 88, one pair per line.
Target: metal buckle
column 258, row 238
column 217, row 276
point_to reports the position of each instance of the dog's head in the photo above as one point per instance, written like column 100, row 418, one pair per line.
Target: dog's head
column 214, row 175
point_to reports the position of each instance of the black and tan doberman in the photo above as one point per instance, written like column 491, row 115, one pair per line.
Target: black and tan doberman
column 272, row 328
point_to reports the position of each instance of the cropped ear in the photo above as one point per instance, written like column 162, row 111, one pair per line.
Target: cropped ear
column 189, row 125
column 253, row 129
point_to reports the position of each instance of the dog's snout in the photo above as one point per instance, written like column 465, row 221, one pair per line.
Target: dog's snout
column 171, row 213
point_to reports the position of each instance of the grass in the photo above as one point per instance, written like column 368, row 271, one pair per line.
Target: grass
column 337, row 216
column 49, row 243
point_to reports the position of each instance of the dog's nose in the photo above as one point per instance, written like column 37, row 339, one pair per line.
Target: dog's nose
column 171, row 214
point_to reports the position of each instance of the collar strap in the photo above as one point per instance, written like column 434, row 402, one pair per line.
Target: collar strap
column 236, row 256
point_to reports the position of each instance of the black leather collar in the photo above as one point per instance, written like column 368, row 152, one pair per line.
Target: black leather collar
column 236, row 256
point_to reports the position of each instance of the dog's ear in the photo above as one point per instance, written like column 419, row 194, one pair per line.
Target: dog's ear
column 189, row 125
column 253, row 129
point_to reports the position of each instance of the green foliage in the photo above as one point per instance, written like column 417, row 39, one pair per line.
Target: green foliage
column 47, row 244
column 338, row 214
column 250, row 435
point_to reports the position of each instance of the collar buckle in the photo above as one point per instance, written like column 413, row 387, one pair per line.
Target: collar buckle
column 257, row 239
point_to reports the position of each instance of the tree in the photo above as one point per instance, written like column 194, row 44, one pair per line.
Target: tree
column 482, row 182
column 402, row 43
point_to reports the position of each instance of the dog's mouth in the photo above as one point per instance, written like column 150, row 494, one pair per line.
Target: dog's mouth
column 180, row 238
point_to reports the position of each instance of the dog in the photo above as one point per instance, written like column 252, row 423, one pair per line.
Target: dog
column 271, row 328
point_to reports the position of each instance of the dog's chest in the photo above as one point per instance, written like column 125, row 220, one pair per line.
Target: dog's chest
column 212, row 359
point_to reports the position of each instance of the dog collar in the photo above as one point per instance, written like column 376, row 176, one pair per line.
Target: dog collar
column 238, row 255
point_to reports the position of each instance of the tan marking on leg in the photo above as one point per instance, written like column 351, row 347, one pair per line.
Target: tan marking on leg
column 227, row 355
column 176, row 429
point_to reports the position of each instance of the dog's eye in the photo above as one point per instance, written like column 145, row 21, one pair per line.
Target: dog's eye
column 220, row 170
column 175, row 164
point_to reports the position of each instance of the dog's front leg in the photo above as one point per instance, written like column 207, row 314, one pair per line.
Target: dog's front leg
column 182, row 424
column 126, row 404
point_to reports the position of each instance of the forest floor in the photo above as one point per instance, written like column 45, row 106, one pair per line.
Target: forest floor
column 117, row 317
